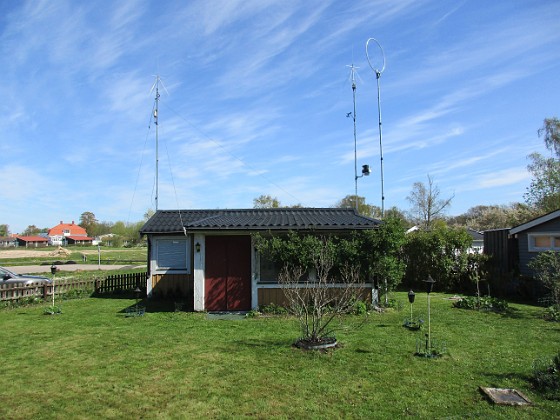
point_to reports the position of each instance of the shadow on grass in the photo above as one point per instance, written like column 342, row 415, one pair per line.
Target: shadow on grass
column 265, row 344
column 497, row 380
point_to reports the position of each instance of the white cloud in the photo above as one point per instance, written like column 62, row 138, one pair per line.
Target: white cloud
column 502, row 178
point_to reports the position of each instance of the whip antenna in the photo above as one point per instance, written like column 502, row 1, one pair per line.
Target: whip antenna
column 353, row 75
column 378, row 72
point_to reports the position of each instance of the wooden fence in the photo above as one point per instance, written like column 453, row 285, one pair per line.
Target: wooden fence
column 118, row 283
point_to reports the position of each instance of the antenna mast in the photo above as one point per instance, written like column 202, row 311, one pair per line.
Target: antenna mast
column 378, row 76
column 353, row 75
column 156, row 115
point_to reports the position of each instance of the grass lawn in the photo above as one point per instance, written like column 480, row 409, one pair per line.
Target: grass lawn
column 93, row 362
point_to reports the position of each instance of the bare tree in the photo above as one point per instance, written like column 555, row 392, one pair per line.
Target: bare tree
column 313, row 292
column 427, row 205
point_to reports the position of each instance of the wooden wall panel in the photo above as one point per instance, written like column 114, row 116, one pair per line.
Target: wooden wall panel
column 173, row 285
column 266, row 296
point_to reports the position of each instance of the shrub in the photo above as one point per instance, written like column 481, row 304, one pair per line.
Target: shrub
column 552, row 313
column 273, row 309
column 546, row 377
column 482, row 303
column 360, row 308
column 547, row 271
column 52, row 310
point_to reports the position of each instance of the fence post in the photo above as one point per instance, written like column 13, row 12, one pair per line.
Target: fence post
column 45, row 291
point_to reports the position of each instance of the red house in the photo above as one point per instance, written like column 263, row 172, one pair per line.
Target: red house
column 67, row 229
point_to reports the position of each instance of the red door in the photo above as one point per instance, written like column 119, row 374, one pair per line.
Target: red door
column 228, row 273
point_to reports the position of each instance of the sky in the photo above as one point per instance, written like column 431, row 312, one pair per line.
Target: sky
column 254, row 98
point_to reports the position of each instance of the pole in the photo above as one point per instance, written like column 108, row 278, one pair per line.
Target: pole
column 156, row 116
column 429, row 328
column 355, row 142
column 378, row 72
column 378, row 76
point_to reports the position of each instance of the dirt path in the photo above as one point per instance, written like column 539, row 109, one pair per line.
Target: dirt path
column 46, row 252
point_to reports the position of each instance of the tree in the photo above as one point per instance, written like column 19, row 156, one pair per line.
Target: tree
column 31, row 230
column 427, row 205
column 364, row 209
column 484, row 217
column 4, row 230
column 149, row 213
column 440, row 252
column 88, row 221
column 544, row 190
column 266, row 202
column 382, row 249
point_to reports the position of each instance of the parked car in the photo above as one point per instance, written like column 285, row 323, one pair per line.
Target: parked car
column 8, row 277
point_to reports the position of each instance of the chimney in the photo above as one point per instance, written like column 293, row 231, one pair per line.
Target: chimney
column 61, row 222
column 72, row 222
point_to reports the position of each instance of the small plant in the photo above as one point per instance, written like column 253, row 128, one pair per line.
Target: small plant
column 273, row 309
column 481, row 303
column 413, row 323
column 392, row 303
column 360, row 308
column 52, row 310
column 552, row 313
column 430, row 347
column 546, row 377
column 253, row 313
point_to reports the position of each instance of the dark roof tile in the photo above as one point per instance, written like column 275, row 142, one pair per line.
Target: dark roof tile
column 173, row 221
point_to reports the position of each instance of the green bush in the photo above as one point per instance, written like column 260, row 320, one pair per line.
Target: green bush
column 52, row 310
column 552, row 313
column 546, row 377
column 482, row 303
column 273, row 309
column 360, row 308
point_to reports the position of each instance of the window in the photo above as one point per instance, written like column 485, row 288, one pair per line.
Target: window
column 172, row 254
column 544, row 242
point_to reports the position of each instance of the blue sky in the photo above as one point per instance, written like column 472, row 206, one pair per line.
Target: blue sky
column 256, row 99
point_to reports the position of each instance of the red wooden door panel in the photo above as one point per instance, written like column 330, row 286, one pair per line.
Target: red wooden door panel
column 239, row 273
column 228, row 273
column 216, row 274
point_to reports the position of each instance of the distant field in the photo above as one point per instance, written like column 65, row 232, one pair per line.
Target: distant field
column 37, row 256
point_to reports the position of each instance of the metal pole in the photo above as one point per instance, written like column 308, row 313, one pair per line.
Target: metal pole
column 429, row 327
column 355, row 143
column 156, row 116
column 378, row 75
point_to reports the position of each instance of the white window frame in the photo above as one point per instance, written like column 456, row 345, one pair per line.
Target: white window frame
column 184, row 242
column 531, row 239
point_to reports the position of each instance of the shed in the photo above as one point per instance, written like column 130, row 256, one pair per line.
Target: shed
column 208, row 258
column 537, row 235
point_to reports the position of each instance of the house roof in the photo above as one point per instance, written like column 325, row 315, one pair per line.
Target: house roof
column 79, row 238
column 177, row 221
column 72, row 228
column 535, row 222
column 475, row 234
column 33, row 238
